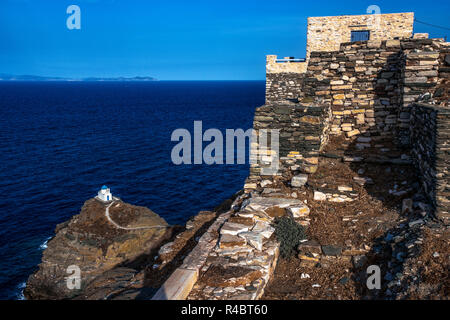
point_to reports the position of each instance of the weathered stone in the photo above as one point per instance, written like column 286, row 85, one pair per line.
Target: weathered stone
column 447, row 59
column 253, row 238
column 345, row 188
column 250, row 186
column 233, row 229
column 319, row 196
column 309, row 247
column 353, row 133
column 263, row 228
column 265, row 183
column 299, row 180
column 241, row 220
column 331, row 250
column 363, row 181
column 178, row 286
column 309, row 260
column 310, row 119
column 227, row 241
column 299, row 211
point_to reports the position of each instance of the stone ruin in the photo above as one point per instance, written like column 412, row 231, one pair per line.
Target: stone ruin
column 395, row 90
column 391, row 90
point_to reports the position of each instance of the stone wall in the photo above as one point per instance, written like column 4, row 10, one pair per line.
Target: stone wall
column 327, row 33
column 430, row 148
column 283, row 86
column 368, row 88
column 286, row 65
column 419, row 64
column 302, row 131
column 370, row 84
column 442, row 90
column 284, row 79
column 361, row 83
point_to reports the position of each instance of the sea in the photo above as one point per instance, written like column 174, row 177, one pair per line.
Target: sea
column 61, row 141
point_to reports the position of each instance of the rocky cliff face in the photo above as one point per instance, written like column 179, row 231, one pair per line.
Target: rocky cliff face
column 108, row 252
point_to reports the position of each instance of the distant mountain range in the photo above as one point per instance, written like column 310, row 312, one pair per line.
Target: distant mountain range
column 9, row 77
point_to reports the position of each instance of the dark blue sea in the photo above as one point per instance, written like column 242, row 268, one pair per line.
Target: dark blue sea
column 61, row 141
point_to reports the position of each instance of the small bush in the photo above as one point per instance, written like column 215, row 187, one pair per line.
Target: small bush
column 289, row 233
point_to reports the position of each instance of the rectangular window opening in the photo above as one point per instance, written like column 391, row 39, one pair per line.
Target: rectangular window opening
column 362, row 35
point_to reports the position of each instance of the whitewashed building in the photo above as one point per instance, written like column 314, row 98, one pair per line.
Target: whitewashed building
column 105, row 194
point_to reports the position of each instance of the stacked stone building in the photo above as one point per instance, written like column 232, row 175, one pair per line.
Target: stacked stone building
column 364, row 76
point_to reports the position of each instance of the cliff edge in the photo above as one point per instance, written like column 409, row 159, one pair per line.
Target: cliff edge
column 107, row 242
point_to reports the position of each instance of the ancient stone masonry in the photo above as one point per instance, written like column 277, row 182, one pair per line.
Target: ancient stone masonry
column 360, row 82
column 430, row 136
column 302, row 130
column 283, row 79
column 283, row 86
column 327, row 33
column 367, row 90
column 369, row 83
column 420, row 74
column 246, row 252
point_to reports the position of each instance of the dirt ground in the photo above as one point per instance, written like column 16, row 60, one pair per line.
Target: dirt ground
column 372, row 226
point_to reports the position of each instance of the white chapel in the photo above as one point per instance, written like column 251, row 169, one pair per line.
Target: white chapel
column 105, row 194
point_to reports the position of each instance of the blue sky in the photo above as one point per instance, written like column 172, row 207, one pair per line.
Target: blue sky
column 172, row 40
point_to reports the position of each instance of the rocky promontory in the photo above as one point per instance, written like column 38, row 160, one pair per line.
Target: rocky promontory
column 109, row 243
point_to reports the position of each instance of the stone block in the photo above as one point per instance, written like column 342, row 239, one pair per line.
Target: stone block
column 319, row 196
column 299, row 211
column 353, row 133
column 299, row 180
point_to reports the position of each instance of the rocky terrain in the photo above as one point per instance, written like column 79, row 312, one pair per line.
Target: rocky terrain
column 110, row 258
column 364, row 213
column 363, row 206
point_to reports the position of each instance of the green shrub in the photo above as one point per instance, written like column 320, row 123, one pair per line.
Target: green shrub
column 289, row 233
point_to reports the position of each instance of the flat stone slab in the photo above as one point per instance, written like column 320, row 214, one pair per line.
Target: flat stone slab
column 233, row 228
column 229, row 241
column 263, row 228
column 299, row 180
column 299, row 211
column 261, row 204
column 253, row 238
column 178, row 286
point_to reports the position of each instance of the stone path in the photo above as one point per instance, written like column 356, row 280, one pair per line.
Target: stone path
column 126, row 228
